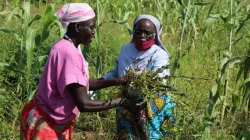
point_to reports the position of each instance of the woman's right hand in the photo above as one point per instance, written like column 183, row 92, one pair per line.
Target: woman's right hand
column 129, row 104
column 121, row 81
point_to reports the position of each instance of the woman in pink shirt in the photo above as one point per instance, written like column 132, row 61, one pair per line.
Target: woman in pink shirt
column 64, row 83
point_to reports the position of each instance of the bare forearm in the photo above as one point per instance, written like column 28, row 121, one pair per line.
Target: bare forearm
column 101, row 83
column 84, row 104
column 96, row 106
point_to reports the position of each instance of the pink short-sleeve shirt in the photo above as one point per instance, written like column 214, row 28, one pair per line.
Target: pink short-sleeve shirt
column 65, row 65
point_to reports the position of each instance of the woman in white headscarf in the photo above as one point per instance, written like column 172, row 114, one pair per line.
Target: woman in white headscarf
column 145, row 51
column 64, row 83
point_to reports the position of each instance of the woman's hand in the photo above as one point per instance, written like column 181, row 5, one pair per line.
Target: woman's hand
column 84, row 104
column 121, row 81
column 129, row 104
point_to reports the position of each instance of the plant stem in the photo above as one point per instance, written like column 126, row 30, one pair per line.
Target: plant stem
column 184, row 24
column 227, row 74
column 98, row 65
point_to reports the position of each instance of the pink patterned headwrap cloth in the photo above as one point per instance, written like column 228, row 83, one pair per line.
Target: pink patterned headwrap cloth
column 74, row 12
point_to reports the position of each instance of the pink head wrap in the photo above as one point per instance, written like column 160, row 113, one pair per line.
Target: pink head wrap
column 74, row 12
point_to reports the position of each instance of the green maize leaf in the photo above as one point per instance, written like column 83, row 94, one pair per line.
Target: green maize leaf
column 229, row 26
column 236, row 101
column 246, row 94
column 206, row 134
column 248, row 7
column 211, row 8
column 16, row 2
column 247, row 81
column 227, row 63
column 18, row 39
column 214, row 113
column 209, row 22
column 30, row 43
column 237, row 40
column 46, row 32
column 195, row 28
column 20, row 17
column 86, row 50
column 127, row 14
column 36, row 18
column 246, row 66
column 49, row 22
column 50, row 9
column 213, row 92
column 99, row 66
column 223, row 70
column 246, row 134
column 243, row 23
column 176, row 64
column 11, row 32
column 4, row 13
column 89, row 58
column 180, row 2
column 234, row 61
column 33, row 93
column 226, row 18
column 6, row 30
column 226, row 57
column 202, row 3
column 14, row 12
column 239, row 74
column 4, row 64
column 239, row 6
column 49, row 15
column 62, row 31
column 208, row 110
column 42, row 58
column 26, row 8
column 38, row 40
column 129, row 29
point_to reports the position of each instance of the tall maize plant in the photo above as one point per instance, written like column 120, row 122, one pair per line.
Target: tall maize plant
column 219, row 96
column 27, row 39
column 188, row 28
column 22, row 68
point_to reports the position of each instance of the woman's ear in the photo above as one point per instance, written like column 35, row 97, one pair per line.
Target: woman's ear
column 77, row 27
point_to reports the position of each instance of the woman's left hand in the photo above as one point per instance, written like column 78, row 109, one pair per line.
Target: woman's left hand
column 121, row 81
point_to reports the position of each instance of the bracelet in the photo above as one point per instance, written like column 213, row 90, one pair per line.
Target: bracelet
column 110, row 102
column 121, row 102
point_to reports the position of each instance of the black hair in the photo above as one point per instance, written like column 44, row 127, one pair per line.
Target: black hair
column 71, row 30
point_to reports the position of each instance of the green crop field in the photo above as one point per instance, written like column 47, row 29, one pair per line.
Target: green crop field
column 209, row 43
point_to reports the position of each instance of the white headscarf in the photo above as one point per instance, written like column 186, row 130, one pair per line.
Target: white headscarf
column 158, row 27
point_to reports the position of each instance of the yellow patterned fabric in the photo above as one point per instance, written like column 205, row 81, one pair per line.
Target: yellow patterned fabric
column 154, row 105
column 155, row 120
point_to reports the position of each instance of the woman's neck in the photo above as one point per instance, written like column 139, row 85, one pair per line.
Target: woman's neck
column 72, row 40
column 75, row 42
